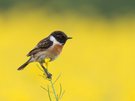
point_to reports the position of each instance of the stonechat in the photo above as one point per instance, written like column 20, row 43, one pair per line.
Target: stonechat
column 48, row 48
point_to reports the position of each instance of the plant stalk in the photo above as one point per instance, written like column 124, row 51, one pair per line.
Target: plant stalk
column 55, row 95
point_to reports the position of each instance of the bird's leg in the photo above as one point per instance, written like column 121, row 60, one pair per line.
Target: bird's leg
column 49, row 75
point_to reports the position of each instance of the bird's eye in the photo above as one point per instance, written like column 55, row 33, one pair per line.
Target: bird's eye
column 59, row 36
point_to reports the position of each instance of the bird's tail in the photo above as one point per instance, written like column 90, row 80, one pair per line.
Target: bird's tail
column 24, row 65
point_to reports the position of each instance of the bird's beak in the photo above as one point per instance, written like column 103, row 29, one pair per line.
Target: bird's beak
column 69, row 37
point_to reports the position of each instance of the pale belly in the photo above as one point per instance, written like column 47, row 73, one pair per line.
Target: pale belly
column 51, row 53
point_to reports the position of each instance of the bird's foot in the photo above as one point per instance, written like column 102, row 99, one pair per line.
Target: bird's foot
column 48, row 75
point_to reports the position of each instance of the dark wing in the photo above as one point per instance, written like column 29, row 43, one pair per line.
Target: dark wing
column 41, row 46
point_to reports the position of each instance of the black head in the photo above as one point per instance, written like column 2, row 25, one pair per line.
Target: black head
column 60, row 36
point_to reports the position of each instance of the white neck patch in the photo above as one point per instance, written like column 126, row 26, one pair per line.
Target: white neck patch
column 52, row 38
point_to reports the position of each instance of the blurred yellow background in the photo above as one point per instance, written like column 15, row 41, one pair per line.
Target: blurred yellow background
column 98, row 64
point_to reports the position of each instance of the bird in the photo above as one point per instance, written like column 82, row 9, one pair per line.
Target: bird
column 48, row 49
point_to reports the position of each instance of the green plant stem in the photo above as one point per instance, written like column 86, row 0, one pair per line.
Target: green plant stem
column 55, row 95
column 49, row 94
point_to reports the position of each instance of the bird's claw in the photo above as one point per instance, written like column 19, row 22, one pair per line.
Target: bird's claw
column 48, row 75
